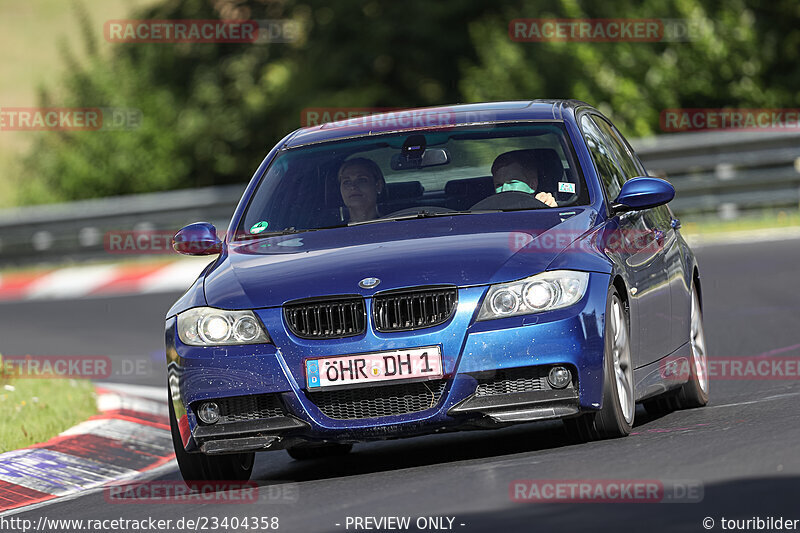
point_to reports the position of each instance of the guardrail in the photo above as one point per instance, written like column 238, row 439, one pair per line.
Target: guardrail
column 726, row 172
column 78, row 231
column 716, row 172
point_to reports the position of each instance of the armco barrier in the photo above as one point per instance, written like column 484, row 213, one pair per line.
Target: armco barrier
column 722, row 172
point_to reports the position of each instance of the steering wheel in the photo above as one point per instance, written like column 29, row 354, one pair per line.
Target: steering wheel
column 509, row 200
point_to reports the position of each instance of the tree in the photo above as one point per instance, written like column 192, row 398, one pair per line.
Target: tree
column 210, row 112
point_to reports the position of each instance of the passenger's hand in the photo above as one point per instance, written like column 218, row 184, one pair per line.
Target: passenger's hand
column 546, row 198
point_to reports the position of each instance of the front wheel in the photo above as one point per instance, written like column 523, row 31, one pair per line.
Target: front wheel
column 693, row 393
column 615, row 418
column 202, row 467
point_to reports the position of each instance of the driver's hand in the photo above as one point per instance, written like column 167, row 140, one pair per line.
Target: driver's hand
column 546, row 198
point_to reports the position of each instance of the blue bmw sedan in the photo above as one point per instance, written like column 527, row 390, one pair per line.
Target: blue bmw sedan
column 431, row 270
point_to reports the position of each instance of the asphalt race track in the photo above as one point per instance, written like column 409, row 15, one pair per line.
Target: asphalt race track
column 742, row 448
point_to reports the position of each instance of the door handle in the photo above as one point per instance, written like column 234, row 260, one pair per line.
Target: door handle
column 675, row 223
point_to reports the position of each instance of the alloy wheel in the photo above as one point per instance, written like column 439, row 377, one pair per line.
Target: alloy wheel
column 623, row 369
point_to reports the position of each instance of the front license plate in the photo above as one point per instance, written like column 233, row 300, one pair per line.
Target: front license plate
column 374, row 367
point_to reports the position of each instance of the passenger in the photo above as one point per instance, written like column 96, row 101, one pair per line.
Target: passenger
column 518, row 171
column 360, row 183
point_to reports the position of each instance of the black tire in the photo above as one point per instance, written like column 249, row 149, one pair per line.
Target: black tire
column 610, row 421
column 303, row 453
column 691, row 394
column 202, row 467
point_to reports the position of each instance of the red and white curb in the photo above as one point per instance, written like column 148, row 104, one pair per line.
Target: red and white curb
column 101, row 280
column 129, row 437
column 135, row 278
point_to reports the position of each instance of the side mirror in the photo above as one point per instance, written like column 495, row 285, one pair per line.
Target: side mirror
column 643, row 193
column 199, row 238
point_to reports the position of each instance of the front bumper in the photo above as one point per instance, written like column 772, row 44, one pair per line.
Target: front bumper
column 507, row 357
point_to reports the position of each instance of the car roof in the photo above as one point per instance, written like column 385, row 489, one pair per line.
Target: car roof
column 432, row 118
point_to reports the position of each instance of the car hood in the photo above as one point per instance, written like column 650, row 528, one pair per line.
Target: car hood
column 459, row 250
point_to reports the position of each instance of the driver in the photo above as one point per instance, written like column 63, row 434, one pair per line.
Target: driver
column 518, row 171
column 360, row 183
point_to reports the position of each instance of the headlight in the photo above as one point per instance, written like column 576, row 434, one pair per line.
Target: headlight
column 206, row 326
column 542, row 292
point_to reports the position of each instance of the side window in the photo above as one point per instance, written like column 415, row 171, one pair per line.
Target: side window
column 631, row 166
column 621, row 150
column 610, row 173
column 661, row 216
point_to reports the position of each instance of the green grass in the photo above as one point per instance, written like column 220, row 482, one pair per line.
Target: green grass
column 33, row 35
column 9, row 171
column 767, row 219
column 34, row 410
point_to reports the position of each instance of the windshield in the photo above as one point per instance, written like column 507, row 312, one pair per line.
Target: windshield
column 415, row 175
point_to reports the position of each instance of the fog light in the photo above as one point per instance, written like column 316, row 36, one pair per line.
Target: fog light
column 559, row 377
column 208, row 413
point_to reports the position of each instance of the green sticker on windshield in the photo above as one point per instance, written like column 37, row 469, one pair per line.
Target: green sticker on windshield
column 258, row 227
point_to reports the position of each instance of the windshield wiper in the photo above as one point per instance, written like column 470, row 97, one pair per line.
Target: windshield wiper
column 424, row 214
column 420, row 214
column 266, row 234
column 475, row 212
